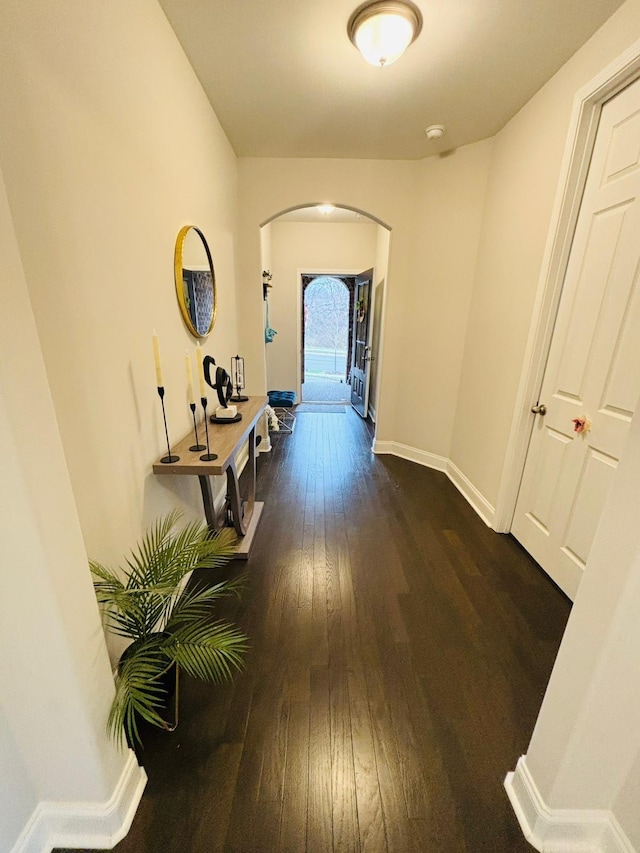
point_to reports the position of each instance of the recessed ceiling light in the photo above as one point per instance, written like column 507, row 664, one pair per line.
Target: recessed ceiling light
column 325, row 209
column 436, row 131
column 382, row 30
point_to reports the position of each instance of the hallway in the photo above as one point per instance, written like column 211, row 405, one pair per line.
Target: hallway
column 400, row 652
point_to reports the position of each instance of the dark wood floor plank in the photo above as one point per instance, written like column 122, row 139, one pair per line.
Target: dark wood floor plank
column 320, row 802
column 211, row 824
column 398, row 831
column 320, row 638
column 367, row 787
column 336, row 615
column 346, row 838
column 293, row 826
column 274, row 754
column 399, row 654
column 266, row 827
column 409, row 748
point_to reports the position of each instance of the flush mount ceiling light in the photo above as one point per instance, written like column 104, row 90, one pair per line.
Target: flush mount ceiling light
column 382, row 30
column 325, row 209
column 436, row 131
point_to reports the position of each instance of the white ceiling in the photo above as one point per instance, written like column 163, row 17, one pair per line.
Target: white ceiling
column 285, row 81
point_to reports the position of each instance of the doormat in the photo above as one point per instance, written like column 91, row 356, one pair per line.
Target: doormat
column 320, row 409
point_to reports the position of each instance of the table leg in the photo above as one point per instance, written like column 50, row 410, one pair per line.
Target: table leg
column 242, row 512
column 207, row 500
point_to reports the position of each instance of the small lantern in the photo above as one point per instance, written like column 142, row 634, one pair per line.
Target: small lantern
column 237, row 378
column 266, row 285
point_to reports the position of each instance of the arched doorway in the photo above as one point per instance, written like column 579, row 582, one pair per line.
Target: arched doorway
column 296, row 244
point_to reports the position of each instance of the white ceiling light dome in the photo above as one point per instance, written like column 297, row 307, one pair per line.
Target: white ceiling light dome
column 383, row 29
column 435, row 131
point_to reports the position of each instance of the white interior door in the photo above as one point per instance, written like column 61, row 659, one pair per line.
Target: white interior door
column 593, row 369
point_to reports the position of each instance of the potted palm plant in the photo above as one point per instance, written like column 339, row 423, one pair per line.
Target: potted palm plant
column 168, row 626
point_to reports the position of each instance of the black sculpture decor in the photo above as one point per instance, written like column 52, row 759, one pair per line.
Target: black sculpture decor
column 223, row 387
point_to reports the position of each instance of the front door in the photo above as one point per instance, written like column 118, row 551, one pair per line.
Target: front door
column 592, row 379
column 361, row 360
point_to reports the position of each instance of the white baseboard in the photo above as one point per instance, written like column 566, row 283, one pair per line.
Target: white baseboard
column 466, row 488
column 562, row 830
column 91, row 826
column 440, row 463
column 405, row 451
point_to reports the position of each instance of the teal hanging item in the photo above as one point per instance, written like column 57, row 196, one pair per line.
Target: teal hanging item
column 269, row 333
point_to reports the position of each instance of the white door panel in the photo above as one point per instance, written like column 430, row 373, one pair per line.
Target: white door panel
column 593, row 368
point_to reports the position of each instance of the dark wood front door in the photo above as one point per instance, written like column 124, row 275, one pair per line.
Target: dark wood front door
column 361, row 360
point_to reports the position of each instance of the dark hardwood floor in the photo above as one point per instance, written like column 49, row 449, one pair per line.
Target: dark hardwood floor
column 400, row 652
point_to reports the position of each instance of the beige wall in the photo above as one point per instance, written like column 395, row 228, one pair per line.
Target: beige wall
column 109, row 146
column 625, row 806
column 524, row 174
column 54, row 669
column 307, row 247
column 434, row 211
column 449, row 203
column 267, row 187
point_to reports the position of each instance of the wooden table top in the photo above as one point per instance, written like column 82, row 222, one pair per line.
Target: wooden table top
column 224, row 439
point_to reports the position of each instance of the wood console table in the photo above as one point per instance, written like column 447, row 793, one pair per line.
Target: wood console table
column 226, row 440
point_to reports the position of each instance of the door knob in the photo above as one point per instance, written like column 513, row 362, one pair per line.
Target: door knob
column 540, row 409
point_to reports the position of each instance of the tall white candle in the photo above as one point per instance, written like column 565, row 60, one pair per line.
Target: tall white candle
column 203, row 385
column 156, row 358
column 189, row 372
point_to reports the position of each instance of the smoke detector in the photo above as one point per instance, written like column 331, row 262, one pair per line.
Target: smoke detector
column 435, row 131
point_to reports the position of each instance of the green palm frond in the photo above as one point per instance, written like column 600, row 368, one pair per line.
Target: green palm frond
column 154, row 572
column 139, row 693
column 143, row 601
column 122, row 612
column 211, row 651
column 142, row 560
column 165, row 556
column 195, row 604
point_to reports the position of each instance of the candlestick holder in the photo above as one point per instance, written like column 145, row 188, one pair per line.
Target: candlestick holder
column 197, row 446
column 208, row 456
column 169, row 457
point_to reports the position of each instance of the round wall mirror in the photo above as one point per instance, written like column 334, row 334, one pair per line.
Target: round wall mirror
column 195, row 281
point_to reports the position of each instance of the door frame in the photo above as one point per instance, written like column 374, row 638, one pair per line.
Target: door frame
column 313, row 271
column 585, row 117
column 349, row 282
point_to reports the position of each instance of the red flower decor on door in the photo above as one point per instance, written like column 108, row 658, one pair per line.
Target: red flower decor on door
column 582, row 424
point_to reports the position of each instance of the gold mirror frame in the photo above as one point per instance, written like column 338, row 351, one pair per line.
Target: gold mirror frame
column 179, row 281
